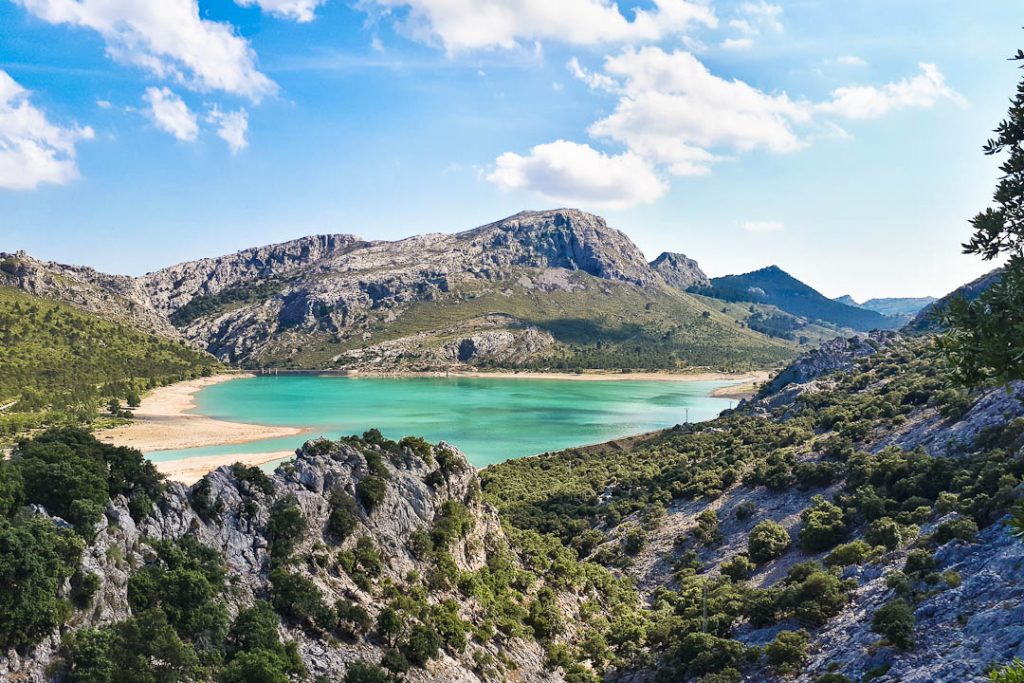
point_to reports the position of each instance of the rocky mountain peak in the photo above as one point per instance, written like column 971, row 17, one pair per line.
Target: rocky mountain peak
column 679, row 271
column 564, row 238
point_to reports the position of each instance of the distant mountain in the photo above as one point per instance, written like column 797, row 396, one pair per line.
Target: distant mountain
column 927, row 319
column 902, row 310
column 775, row 286
column 551, row 289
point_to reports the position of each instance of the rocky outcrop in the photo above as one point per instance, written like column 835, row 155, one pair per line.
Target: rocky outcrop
column 234, row 520
column 679, row 271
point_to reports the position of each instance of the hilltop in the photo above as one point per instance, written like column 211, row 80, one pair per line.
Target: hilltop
column 774, row 286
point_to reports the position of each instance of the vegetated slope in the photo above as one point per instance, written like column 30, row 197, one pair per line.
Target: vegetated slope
column 57, row 361
column 114, row 297
column 538, row 289
column 772, row 285
column 928, row 318
column 361, row 560
column 862, row 485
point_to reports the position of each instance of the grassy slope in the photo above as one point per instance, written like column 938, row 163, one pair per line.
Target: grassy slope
column 599, row 324
column 57, row 356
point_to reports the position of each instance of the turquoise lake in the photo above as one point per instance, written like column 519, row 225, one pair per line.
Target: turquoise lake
column 490, row 419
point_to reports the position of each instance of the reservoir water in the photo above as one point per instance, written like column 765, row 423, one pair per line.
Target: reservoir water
column 490, row 419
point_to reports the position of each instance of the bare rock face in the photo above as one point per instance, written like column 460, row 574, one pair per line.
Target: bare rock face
column 679, row 271
column 337, row 284
column 234, row 522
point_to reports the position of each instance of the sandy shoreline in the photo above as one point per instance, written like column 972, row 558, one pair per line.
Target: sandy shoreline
column 191, row 470
column 755, row 376
column 163, row 422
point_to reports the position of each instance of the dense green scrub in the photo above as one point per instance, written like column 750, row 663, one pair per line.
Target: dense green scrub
column 59, row 363
column 883, row 499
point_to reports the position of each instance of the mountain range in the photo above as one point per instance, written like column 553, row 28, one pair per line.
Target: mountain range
column 555, row 289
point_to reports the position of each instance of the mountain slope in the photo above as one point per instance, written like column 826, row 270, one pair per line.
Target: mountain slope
column 58, row 361
column 927, row 319
column 774, row 286
column 538, row 289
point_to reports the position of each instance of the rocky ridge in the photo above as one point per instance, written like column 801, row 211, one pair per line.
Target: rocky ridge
column 233, row 519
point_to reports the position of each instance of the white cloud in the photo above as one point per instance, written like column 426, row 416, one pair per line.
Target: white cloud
column 737, row 43
column 575, row 174
column 170, row 114
column 675, row 112
column 33, row 150
column 297, row 10
column 167, row 38
column 594, row 81
column 232, row 127
column 762, row 16
column 475, row 24
column 104, row 104
column 870, row 102
column 852, row 60
column 763, row 226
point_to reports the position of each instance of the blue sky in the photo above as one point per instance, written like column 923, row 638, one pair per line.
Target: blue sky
column 839, row 140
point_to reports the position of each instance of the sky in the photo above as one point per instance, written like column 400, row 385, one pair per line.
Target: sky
column 838, row 139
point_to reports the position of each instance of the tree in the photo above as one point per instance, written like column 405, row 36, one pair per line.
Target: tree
column 824, row 525
column 788, row 651
column 895, row 621
column 986, row 336
column 767, row 541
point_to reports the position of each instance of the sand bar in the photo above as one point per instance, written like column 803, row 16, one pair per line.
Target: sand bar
column 191, row 470
column 163, row 422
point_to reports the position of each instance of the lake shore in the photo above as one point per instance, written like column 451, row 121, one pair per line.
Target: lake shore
column 191, row 470
column 164, row 422
column 746, row 377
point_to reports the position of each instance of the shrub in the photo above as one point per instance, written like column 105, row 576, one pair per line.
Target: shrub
column 919, row 563
column 371, row 491
column 895, row 621
column 813, row 596
column 365, row 672
column 633, row 541
column 706, row 531
column 853, row 552
column 962, row 528
column 423, row 644
column 738, row 568
column 545, row 617
column 745, row 510
column 788, row 651
column 823, row 525
column 705, row 653
column 285, row 527
column 885, row 531
column 1011, row 673
column 832, row 677
column 344, row 517
column 767, row 541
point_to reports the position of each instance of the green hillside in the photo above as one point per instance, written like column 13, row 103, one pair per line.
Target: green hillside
column 597, row 324
column 59, row 363
column 775, row 286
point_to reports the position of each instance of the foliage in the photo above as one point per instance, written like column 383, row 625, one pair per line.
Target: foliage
column 823, row 525
column 285, row 527
column 895, row 621
column 371, row 491
column 1011, row 673
column 986, row 336
column 60, row 363
column 788, row 651
column 344, row 517
column 767, row 541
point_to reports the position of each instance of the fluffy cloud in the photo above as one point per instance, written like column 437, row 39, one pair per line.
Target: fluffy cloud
column 167, row 38
column 763, row 226
column 570, row 173
column 870, row 102
column 33, row 150
column 760, row 17
column 851, row 60
column 475, row 24
column 673, row 111
column 673, row 115
column 170, row 114
column 296, row 10
column 232, row 127
column 737, row 43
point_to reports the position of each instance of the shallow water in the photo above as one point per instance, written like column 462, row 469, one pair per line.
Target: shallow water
column 490, row 419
